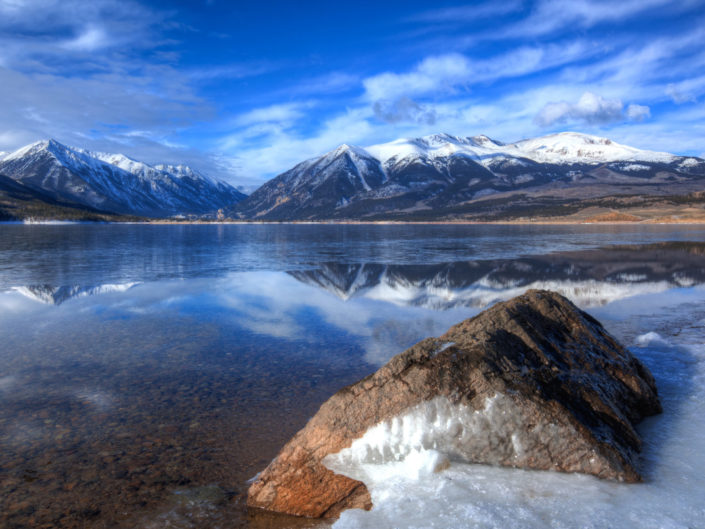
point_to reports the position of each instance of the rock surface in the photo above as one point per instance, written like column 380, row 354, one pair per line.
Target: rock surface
column 533, row 382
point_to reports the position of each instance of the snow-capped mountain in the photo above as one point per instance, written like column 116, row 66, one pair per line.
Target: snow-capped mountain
column 114, row 182
column 589, row 278
column 443, row 174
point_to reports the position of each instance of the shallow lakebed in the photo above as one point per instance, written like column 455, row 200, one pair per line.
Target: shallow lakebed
column 147, row 372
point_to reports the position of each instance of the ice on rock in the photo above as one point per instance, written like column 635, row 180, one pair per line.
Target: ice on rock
column 428, row 437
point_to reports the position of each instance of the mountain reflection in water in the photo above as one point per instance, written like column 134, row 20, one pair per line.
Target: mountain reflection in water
column 589, row 278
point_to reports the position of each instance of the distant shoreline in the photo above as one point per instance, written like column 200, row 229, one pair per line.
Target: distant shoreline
column 365, row 223
column 523, row 222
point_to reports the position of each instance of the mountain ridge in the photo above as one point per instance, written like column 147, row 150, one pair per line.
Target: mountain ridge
column 445, row 177
column 115, row 183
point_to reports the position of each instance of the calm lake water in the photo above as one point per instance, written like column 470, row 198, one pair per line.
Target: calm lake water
column 147, row 372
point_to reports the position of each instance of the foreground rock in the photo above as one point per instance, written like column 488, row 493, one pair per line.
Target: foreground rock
column 533, row 382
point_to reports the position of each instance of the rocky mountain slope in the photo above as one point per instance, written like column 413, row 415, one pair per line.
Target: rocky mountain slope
column 447, row 177
column 20, row 202
column 115, row 183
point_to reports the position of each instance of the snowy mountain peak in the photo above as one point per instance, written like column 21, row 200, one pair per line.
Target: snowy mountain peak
column 483, row 140
column 52, row 147
column 114, row 182
column 30, row 149
column 425, row 148
column 435, row 140
column 574, row 147
column 561, row 148
column 352, row 150
column 184, row 171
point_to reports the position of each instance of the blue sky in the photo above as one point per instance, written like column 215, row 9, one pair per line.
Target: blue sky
column 245, row 90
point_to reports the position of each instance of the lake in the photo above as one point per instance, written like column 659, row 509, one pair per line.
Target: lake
column 148, row 371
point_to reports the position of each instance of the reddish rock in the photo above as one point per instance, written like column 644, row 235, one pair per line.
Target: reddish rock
column 564, row 395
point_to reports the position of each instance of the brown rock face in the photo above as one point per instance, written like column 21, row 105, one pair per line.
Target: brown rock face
column 537, row 383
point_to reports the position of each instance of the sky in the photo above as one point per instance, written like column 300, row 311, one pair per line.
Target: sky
column 245, row 90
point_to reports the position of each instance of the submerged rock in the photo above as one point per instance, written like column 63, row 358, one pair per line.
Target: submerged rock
column 533, row 382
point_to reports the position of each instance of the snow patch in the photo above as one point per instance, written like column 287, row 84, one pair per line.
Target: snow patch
column 648, row 338
column 522, row 178
column 634, row 167
column 690, row 162
column 485, row 193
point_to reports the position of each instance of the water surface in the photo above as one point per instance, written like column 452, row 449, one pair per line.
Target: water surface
column 146, row 372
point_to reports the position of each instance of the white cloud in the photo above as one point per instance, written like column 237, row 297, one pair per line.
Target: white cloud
column 637, row 112
column 280, row 113
column 464, row 13
column 591, row 109
column 45, row 35
column 678, row 94
column 643, row 69
column 549, row 16
column 92, row 38
column 278, row 148
column 452, row 73
column 330, row 83
column 230, row 71
column 432, row 74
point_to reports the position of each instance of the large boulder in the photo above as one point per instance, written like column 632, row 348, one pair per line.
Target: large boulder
column 533, row 382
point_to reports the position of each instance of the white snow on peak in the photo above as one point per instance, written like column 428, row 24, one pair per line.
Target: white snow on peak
column 3, row 154
column 184, row 171
column 120, row 160
column 351, row 150
column 689, row 162
column 30, row 149
column 70, row 155
column 561, row 148
column 118, row 182
column 426, row 148
column 580, row 148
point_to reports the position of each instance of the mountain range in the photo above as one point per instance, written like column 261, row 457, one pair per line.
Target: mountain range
column 76, row 178
column 433, row 178
column 443, row 177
